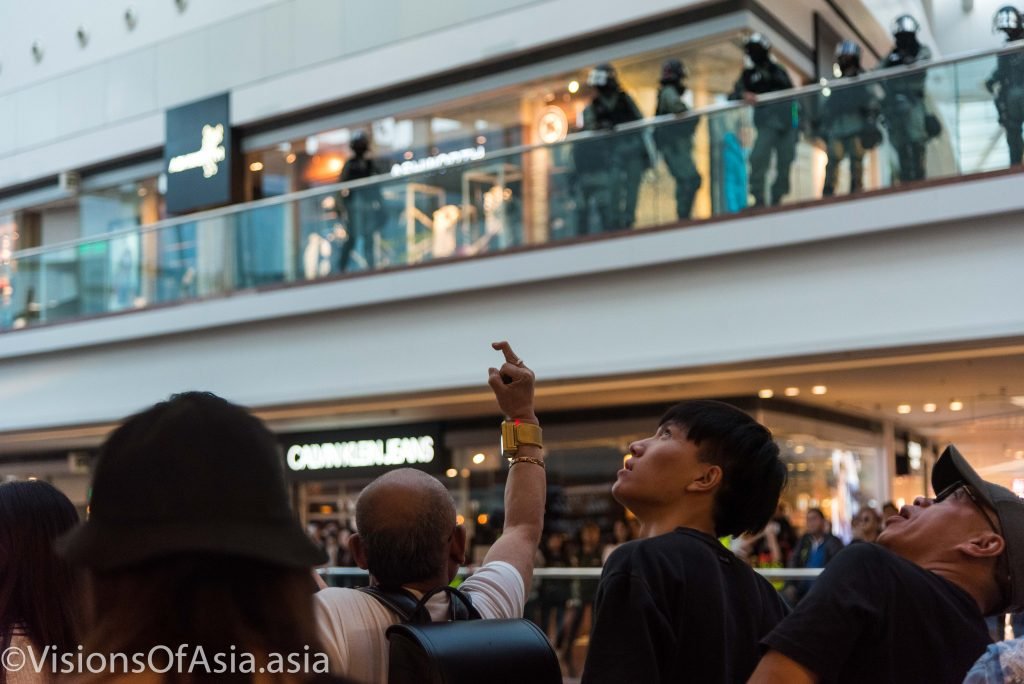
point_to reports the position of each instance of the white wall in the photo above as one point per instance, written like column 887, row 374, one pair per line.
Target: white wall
column 889, row 271
column 82, row 106
column 957, row 30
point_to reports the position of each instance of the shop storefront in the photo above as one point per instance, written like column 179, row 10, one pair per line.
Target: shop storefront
column 835, row 462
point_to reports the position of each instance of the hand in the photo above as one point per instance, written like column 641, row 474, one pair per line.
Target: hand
column 513, row 386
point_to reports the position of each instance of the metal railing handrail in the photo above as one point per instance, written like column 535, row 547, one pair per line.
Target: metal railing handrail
column 588, row 573
column 767, row 98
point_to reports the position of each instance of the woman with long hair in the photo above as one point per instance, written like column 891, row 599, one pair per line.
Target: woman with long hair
column 38, row 591
column 198, row 569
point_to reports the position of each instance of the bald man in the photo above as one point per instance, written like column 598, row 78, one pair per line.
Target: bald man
column 408, row 538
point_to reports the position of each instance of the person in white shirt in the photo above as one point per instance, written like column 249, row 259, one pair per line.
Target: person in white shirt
column 408, row 537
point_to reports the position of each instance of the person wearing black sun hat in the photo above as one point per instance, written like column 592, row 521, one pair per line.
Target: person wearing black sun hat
column 912, row 606
column 191, row 543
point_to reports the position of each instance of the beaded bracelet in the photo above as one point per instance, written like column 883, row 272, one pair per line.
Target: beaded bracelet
column 525, row 459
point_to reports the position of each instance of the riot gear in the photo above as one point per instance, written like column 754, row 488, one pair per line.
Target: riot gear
column 604, row 78
column 848, row 120
column 776, row 122
column 757, row 46
column 1007, row 82
column 909, row 123
column 904, row 31
column 675, row 140
column 848, row 58
column 1008, row 19
column 609, row 169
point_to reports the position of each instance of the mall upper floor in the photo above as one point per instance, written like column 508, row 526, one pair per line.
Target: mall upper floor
column 557, row 160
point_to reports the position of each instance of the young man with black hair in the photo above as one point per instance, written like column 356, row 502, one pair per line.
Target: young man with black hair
column 676, row 605
column 910, row 608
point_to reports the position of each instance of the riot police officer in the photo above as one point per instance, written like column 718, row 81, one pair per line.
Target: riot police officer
column 363, row 206
column 848, row 125
column 1007, row 82
column 776, row 122
column 910, row 126
column 610, row 168
column 675, row 140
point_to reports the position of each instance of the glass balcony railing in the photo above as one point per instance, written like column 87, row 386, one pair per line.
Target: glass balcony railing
column 902, row 125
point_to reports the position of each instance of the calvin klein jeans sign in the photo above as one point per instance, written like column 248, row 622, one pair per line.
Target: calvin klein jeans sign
column 197, row 155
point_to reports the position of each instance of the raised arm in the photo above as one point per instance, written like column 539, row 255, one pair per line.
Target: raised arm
column 526, row 487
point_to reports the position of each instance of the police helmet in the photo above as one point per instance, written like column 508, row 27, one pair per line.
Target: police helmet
column 359, row 142
column 673, row 70
column 905, row 24
column 847, row 55
column 848, row 49
column 1007, row 18
column 757, row 40
column 602, row 76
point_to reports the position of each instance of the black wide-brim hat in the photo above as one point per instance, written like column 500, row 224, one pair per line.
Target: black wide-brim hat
column 195, row 474
column 952, row 468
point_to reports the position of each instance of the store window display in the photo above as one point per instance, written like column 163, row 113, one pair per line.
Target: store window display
column 491, row 202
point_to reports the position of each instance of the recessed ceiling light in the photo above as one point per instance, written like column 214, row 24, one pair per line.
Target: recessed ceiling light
column 765, row 393
column 451, row 472
column 799, row 449
column 903, row 408
column 819, row 389
column 956, row 405
column 929, row 408
column 792, row 392
column 479, row 458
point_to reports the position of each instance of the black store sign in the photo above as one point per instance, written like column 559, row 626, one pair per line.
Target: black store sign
column 197, row 155
column 364, row 452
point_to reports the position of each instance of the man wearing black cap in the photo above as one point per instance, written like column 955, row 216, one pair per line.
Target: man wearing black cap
column 912, row 607
column 409, row 540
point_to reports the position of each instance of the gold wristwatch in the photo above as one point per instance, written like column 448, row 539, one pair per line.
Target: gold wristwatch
column 515, row 433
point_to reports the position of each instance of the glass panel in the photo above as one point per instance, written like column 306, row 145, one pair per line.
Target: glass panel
column 881, row 129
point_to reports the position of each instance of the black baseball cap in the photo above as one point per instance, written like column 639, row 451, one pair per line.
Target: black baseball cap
column 952, row 468
column 192, row 474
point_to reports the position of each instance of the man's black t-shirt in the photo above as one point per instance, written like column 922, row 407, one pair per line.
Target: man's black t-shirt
column 679, row 607
column 875, row 617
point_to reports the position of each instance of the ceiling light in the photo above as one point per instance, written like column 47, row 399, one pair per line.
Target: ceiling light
column 482, row 519
column 479, row 458
column 929, row 408
column 799, row 449
column 256, row 166
column 451, row 472
column 956, row 405
column 464, row 472
column 460, row 520
column 290, row 159
column 574, row 87
column 819, row 389
column 903, row 408
column 765, row 393
column 792, row 392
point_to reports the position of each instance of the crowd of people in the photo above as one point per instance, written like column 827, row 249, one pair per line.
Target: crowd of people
column 170, row 560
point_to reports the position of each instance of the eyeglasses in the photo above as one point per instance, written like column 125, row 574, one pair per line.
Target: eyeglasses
column 1003, row 576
